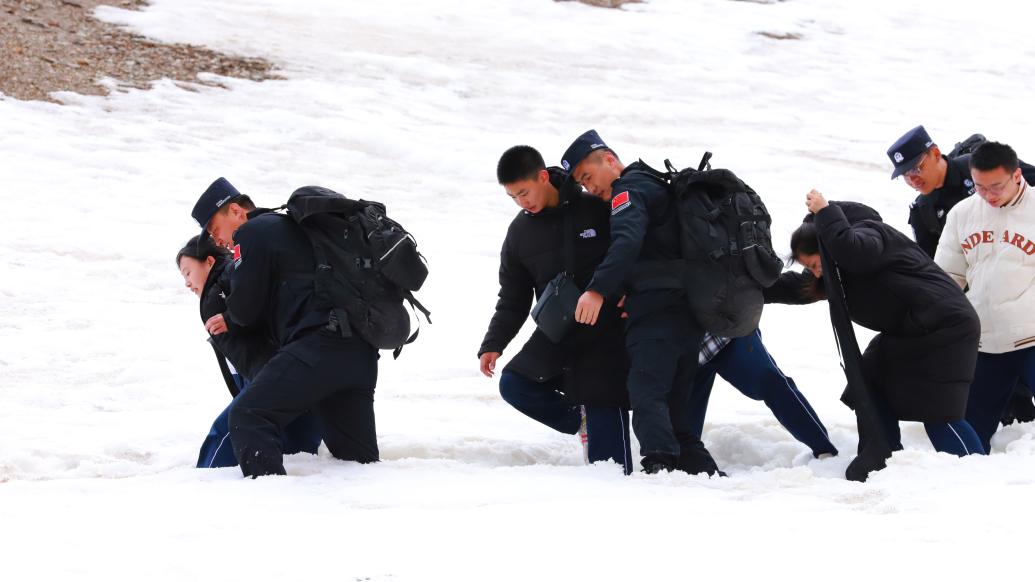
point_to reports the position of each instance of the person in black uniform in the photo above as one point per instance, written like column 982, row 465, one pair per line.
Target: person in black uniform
column 663, row 338
column 206, row 272
column 920, row 365
column 554, row 383
column 319, row 364
column 942, row 182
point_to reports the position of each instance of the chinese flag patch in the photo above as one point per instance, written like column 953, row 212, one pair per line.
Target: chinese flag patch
column 237, row 255
column 620, row 202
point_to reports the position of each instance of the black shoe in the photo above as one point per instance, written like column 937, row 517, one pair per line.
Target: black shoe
column 695, row 459
column 658, row 463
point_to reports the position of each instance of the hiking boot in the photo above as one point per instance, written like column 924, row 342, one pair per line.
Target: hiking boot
column 695, row 459
column 658, row 463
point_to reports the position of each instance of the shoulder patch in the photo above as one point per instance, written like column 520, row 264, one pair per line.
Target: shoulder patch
column 620, row 202
column 237, row 256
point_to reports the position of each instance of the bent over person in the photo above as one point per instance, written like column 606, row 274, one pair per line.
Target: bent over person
column 920, row 364
column 663, row 336
column 554, row 383
column 318, row 365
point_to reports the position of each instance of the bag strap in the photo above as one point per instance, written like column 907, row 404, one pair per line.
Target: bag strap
column 569, row 237
column 414, row 306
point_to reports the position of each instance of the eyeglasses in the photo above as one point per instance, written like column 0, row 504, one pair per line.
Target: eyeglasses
column 915, row 172
column 996, row 189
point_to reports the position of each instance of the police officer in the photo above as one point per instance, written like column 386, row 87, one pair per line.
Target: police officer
column 554, row 383
column 663, row 337
column 943, row 182
column 314, row 367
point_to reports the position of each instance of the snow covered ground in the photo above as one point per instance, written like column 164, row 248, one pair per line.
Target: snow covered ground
column 107, row 386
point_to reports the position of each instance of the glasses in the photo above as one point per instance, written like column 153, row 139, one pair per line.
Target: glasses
column 915, row 172
column 996, row 189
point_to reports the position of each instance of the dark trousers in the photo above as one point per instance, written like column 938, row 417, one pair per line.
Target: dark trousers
column 331, row 376
column 663, row 349
column 747, row 366
column 302, row 435
column 956, row 438
column 607, row 427
column 994, row 379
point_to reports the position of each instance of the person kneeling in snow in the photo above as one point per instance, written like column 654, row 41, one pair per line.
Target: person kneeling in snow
column 577, row 385
column 206, row 271
column 919, row 367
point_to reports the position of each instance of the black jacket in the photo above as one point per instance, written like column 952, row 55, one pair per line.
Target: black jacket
column 248, row 351
column 644, row 245
column 272, row 286
column 922, row 361
column 592, row 358
column 927, row 213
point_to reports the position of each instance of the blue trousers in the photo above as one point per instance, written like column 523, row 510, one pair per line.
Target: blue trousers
column 994, row 379
column 747, row 366
column 607, row 427
column 957, row 438
column 301, row 436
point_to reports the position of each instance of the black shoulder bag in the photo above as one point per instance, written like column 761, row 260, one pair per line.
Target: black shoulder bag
column 554, row 313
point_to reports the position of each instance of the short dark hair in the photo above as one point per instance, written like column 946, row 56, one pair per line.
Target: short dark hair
column 520, row 162
column 200, row 251
column 243, row 201
column 991, row 155
column 804, row 240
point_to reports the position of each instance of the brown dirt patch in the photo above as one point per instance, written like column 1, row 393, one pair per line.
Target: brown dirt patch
column 57, row 45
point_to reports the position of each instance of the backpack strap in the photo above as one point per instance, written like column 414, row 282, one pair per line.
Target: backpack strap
column 414, row 306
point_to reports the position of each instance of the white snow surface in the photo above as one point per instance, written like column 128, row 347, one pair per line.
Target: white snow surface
column 107, row 386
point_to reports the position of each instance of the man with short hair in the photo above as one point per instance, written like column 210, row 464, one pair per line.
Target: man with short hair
column 663, row 337
column 942, row 182
column 988, row 245
column 319, row 364
column 553, row 383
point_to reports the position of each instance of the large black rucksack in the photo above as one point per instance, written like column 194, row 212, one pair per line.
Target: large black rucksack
column 367, row 265
column 726, row 246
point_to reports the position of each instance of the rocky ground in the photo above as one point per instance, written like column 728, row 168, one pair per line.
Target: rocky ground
column 57, row 45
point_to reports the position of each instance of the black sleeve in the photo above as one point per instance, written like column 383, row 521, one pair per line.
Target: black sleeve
column 252, row 277
column 925, row 238
column 793, row 288
column 629, row 224
column 517, row 288
column 857, row 247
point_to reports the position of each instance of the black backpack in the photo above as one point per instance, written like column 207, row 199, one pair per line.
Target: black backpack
column 726, row 246
column 367, row 265
column 966, row 146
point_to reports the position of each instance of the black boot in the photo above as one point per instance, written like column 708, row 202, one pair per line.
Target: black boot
column 658, row 463
column 695, row 459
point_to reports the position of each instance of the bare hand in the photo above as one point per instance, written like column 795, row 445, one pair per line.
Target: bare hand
column 588, row 308
column 487, row 363
column 620, row 305
column 216, row 324
column 815, row 201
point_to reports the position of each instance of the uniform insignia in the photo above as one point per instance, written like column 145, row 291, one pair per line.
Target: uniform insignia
column 588, row 233
column 237, row 256
column 620, row 203
column 566, row 165
column 899, row 157
column 941, row 213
